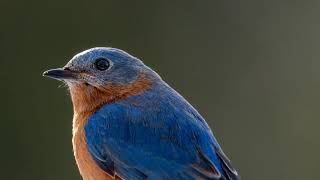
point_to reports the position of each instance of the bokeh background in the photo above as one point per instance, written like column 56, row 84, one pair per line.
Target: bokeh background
column 250, row 67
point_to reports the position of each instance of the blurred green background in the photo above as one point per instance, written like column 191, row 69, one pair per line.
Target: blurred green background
column 250, row 67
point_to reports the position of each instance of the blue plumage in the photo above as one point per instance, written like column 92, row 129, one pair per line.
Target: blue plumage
column 159, row 138
column 129, row 123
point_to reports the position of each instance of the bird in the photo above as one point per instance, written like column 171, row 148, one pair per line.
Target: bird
column 129, row 124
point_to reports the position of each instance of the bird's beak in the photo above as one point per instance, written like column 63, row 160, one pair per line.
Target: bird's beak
column 61, row 74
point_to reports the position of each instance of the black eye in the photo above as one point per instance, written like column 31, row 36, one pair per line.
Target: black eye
column 102, row 64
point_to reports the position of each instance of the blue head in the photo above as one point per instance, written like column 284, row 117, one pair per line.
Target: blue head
column 103, row 66
column 104, row 72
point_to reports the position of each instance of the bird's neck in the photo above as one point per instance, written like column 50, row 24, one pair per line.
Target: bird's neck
column 87, row 99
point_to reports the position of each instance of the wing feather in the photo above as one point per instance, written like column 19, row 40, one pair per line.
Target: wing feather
column 156, row 140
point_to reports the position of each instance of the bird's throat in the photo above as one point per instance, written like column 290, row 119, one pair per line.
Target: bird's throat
column 87, row 99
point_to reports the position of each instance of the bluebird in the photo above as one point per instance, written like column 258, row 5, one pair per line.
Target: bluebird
column 130, row 124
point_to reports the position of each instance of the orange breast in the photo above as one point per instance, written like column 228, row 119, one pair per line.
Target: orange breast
column 89, row 170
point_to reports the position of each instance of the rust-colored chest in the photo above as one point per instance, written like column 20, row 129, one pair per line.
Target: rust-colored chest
column 89, row 170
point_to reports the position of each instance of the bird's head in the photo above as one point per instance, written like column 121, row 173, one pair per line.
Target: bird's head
column 101, row 75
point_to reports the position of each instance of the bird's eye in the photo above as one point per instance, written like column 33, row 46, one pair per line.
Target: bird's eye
column 102, row 64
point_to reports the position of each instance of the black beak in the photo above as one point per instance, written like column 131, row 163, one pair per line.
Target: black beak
column 60, row 74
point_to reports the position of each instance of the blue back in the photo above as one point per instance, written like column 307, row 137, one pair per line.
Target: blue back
column 155, row 135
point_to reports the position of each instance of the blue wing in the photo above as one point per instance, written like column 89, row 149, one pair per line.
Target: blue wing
column 154, row 136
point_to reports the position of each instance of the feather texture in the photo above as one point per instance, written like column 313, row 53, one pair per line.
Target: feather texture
column 129, row 124
column 155, row 135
